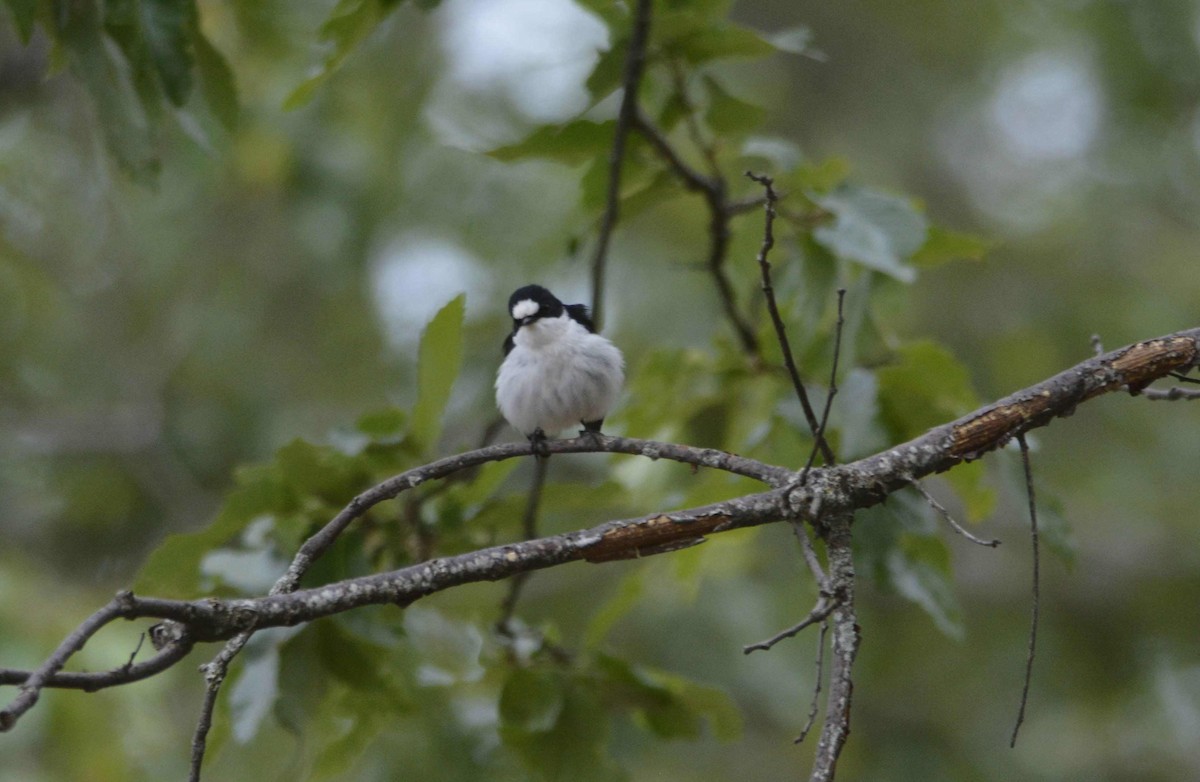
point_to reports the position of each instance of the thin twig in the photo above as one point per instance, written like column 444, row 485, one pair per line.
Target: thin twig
column 635, row 63
column 1033, row 620
column 816, row 696
column 215, row 672
column 810, row 553
column 785, row 346
column 31, row 689
column 945, row 514
column 713, row 188
column 819, row 435
column 529, row 529
column 91, row 681
column 1172, row 394
column 823, row 608
column 1097, row 345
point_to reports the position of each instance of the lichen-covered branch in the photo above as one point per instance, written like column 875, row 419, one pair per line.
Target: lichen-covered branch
column 828, row 497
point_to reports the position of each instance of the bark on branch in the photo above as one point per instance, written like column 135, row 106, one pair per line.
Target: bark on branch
column 827, row 499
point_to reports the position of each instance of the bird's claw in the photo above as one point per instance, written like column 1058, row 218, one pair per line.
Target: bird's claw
column 538, row 441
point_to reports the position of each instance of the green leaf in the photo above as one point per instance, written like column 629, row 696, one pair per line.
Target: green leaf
column 943, row 246
column 670, row 706
column 216, row 81
column 727, row 114
column 382, row 424
column 173, row 569
column 350, row 22
column 692, row 39
column 438, row 360
column 609, row 70
column 257, row 685
column 107, row 76
column 919, row 569
column 878, row 230
column 572, row 751
column 576, row 142
column 603, row 618
column 167, row 26
column 856, row 415
column 816, row 178
column 449, row 650
column 24, row 14
column 977, row 497
column 339, row 756
column 532, row 700
column 926, row 387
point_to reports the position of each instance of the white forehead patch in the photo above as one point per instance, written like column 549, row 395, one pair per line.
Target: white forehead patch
column 524, row 308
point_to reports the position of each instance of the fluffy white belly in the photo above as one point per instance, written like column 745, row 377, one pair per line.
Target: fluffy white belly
column 553, row 387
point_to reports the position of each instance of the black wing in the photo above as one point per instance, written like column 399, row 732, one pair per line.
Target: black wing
column 508, row 344
column 579, row 313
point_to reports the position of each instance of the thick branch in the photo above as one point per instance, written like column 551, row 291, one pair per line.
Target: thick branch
column 830, row 493
column 845, row 647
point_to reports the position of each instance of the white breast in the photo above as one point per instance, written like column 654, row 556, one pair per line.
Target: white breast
column 558, row 375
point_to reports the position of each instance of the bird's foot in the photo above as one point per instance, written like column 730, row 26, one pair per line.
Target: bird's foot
column 591, row 430
column 538, row 441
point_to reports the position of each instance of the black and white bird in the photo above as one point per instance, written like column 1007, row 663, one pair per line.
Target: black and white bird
column 557, row 371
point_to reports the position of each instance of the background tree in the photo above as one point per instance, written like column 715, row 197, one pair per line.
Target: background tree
column 195, row 277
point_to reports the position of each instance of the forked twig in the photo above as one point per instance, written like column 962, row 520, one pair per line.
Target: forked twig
column 824, row 607
column 785, row 346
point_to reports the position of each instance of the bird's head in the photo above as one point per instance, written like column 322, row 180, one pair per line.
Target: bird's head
column 531, row 303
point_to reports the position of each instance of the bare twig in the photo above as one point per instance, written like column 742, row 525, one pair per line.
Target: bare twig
column 1097, row 345
column 810, row 554
column 823, row 608
column 214, row 672
column 785, row 346
column 529, row 528
column 91, row 681
column 945, row 514
column 713, row 188
column 31, row 688
column 1034, row 606
column 816, row 696
column 834, row 491
column 1172, row 394
column 635, row 62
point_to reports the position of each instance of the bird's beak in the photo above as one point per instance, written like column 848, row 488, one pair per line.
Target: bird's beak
column 527, row 321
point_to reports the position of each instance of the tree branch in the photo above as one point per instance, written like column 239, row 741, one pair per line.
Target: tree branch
column 829, row 496
column 846, row 638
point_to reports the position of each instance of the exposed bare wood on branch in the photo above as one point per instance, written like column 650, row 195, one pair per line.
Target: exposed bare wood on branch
column 830, row 494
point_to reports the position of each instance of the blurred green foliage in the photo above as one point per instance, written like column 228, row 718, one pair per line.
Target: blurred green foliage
column 234, row 240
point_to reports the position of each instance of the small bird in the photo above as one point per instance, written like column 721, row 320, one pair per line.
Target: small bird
column 557, row 371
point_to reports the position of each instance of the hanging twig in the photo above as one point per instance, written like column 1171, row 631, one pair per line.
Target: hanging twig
column 529, row 529
column 1033, row 620
column 816, row 696
column 945, row 514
